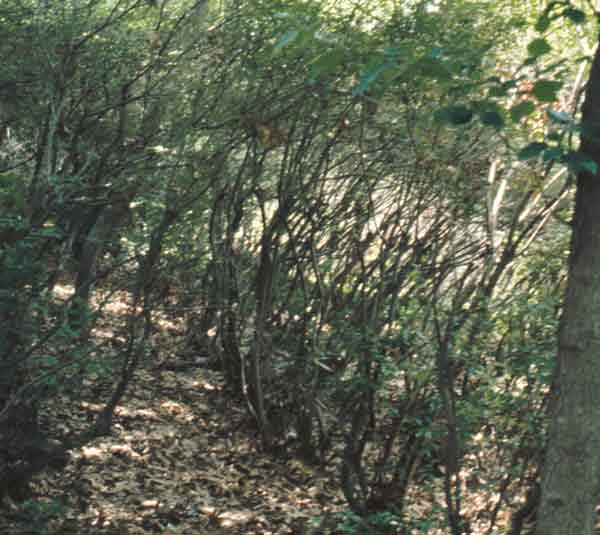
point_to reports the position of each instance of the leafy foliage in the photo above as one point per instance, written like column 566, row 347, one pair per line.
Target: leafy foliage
column 346, row 211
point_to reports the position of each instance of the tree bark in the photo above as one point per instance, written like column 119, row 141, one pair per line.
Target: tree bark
column 572, row 466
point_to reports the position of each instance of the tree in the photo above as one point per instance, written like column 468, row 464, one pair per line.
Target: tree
column 571, row 472
column 328, row 193
column 87, row 124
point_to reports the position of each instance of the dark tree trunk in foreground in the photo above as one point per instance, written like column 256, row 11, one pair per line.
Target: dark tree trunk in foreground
column 572, row 466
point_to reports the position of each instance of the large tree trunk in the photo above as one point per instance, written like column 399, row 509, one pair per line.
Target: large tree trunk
column 572, row 467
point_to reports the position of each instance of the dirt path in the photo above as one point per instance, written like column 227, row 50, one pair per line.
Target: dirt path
column 179, row 462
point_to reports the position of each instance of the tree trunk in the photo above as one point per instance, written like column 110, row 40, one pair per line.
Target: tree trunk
column 572, row 467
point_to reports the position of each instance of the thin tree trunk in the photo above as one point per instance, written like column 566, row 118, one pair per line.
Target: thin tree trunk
column 262, row 350
column 572, row 467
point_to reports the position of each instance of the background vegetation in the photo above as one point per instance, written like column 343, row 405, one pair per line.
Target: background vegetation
column 356, row 212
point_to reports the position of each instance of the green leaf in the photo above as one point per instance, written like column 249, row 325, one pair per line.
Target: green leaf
column 497, row 91
column 538, row 47
column 367, row 79
column 523, row 109
column 501, row 89
column 543, row 23
column 455, row 115
column 574, row 15
column 50, row 360
column 559, row 116
column 492, row 118
column 287, row 38
column 553, row 154
column 546, row 90
column 435, row 53
column 327, row 62
column 579, row 162
column 533, row 150
column 433, row 68
column 50, row 381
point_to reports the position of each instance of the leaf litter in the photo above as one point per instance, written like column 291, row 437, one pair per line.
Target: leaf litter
column 181, row 460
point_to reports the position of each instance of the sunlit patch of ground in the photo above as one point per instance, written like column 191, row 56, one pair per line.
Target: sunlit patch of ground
column 63, row 291
column 181, row 458
column 175, row 464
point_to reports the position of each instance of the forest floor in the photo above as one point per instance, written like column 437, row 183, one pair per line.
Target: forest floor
column 181, row 460
column 177, row 463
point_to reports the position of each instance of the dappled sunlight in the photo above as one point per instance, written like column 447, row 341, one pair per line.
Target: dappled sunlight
column 179, row 465
column 64, row 291
column 291, row 268
column 177, row 462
